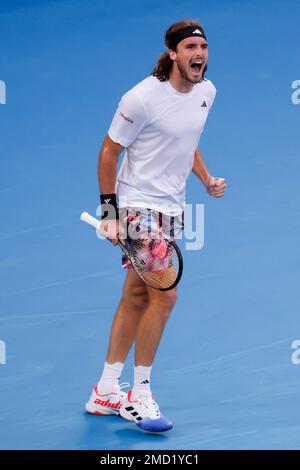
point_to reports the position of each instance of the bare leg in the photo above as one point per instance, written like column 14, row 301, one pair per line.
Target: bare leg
column 132, row 305
column 151, row 325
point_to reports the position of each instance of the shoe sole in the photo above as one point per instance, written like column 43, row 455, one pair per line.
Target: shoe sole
column 124, row 414
column 154, row 431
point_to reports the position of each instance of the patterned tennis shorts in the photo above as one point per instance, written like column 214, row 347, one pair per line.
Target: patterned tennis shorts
column 139, row 221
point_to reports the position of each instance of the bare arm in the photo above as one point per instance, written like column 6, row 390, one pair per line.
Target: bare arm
column 216, row 187
column 107, row 165
column 199, row 168
column 107, row 174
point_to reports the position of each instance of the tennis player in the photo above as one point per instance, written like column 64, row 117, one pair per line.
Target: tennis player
column 159, row 122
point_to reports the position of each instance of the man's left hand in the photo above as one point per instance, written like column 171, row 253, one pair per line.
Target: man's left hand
column 216, row 187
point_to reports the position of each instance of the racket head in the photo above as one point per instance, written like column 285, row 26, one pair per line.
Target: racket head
column 157, row 260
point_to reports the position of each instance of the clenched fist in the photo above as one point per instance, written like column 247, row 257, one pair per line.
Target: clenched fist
column 216, row 187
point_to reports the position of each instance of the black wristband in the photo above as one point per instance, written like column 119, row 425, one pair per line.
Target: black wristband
column 109, row 207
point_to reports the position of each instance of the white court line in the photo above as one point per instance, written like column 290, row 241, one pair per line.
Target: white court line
column 56, row 284
column 54, row 314
column 37, row 228
column 184, row 370
column 271, row 390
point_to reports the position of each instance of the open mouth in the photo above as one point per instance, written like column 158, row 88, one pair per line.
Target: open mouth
column 196, row 66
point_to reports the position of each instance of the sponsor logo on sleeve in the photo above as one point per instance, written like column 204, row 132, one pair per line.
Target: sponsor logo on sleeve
column 126, row 118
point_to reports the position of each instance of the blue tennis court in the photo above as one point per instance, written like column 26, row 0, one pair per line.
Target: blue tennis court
column 226, row 373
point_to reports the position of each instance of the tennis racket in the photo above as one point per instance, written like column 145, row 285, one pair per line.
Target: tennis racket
column 156, row 258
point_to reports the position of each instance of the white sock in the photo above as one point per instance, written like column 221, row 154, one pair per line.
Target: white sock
column 110, row 377
column 141, row 380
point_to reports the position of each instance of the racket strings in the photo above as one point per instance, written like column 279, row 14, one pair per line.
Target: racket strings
column 156, row 261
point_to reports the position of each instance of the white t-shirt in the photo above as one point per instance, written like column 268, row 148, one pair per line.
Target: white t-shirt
column 160, row 128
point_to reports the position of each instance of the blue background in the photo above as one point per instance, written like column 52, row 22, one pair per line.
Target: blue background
column 223, row 373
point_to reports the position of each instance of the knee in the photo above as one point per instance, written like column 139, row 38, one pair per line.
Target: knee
column 171, row 299
column 136, row 297
column 166, row 301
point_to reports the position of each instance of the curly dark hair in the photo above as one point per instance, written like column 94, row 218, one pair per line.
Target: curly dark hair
column 164, row 64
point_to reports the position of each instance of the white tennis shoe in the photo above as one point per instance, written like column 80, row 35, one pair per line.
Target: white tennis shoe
column 145, row 412
column 107, row 403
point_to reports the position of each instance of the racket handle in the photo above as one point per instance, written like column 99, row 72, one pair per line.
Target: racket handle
column 89, row 219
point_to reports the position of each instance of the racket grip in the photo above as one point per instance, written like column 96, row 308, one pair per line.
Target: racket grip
column 89, row 219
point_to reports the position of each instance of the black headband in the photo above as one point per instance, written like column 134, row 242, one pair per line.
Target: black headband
column 188, row 32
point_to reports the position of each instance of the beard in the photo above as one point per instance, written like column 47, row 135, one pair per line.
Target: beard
column 185, row 75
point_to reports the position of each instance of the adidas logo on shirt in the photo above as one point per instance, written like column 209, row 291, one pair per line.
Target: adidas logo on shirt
column 204, row 105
